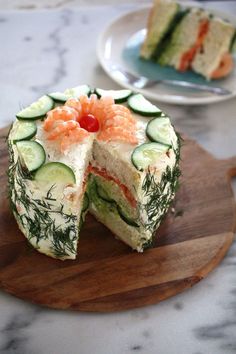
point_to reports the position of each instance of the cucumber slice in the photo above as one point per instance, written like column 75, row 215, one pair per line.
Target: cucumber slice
column 140, row 105
column 31, row 154
column 55, row 172
column 159, row 130
column 147, row 154
column 103, row 194
column 24, row 130
column 37, row 109
column 85, row 202
column 74, row 92
column 118, row 95
column 126, row 218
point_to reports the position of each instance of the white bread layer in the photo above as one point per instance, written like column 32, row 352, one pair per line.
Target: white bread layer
column 215, row 45
column 159, row 20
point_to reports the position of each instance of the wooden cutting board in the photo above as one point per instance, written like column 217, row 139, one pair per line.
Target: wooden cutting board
column 109, row 276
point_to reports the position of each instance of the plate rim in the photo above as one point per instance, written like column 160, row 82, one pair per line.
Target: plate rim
column 165, row 98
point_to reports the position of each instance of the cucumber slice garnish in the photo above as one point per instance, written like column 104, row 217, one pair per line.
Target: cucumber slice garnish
column 118, row 95
column 147, row 154
column 159, row 130
column 24, row 130
column 37, row 109
column 74, row 92
column 140, row 105
column 31, row 154
column 103, row 194
column 126, row 218
column 85, row 202
column 55, row 173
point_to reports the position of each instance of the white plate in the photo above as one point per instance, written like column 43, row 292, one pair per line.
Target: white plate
column 119, row 45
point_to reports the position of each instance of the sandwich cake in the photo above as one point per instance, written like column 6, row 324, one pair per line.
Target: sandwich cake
column 111, row 153
column 192, row 39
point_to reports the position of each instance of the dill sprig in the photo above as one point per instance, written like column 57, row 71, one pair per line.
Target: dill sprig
column 42, row 218
column 159, row 195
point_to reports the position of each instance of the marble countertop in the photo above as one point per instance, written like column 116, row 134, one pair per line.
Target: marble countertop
column 47, row 49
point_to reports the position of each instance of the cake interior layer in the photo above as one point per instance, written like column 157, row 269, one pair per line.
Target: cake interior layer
column 115, row 212
column 184, row 38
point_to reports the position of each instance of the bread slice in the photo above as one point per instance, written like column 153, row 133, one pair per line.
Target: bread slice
column 183, row 38
column 216, row 43
column 160, row 18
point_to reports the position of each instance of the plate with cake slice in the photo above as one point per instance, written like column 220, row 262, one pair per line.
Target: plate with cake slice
column 171, row 41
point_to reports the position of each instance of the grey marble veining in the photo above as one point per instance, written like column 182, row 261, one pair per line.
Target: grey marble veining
column 46, row 50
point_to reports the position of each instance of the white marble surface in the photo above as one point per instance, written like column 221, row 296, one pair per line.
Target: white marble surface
column 42, row 50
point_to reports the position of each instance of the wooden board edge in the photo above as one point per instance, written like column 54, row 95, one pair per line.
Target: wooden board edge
column 139, row 297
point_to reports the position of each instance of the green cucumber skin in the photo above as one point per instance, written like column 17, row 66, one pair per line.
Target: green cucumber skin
column 61, row 97
column 125, row 218
column 117, row 100
column 36, row 117
column 157, row 141
column 33, row 118
column 166, row 38
column 146, row 114
column 85, row 202
column 25, row 138
column 140, row 112
column 134, row 163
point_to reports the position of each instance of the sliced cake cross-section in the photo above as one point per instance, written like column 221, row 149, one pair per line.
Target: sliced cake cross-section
column 119, row 161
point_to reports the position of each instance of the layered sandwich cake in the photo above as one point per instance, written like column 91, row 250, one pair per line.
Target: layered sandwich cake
column 191, row 38
column 111, row 153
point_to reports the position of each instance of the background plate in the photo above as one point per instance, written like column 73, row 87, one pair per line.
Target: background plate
column 119, row 44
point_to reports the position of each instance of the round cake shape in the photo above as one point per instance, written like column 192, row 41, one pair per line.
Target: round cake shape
column 119, row 164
